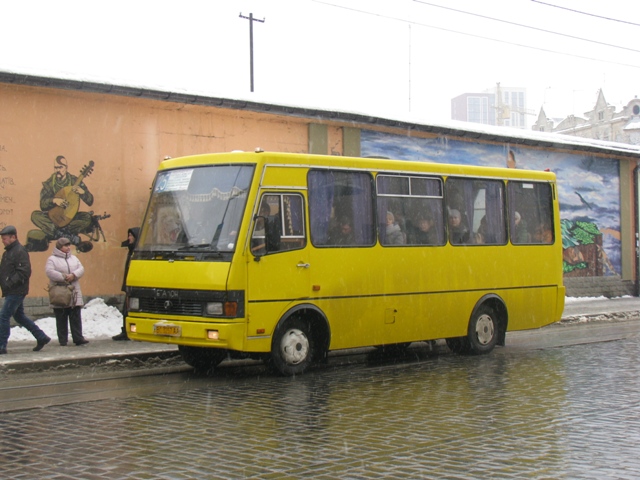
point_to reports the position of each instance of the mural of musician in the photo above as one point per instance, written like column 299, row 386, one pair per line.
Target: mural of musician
column 59, row 214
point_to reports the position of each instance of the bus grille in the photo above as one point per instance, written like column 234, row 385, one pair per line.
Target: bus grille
column 174, row 307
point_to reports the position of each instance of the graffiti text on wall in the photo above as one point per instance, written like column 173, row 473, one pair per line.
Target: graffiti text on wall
column 7, row 184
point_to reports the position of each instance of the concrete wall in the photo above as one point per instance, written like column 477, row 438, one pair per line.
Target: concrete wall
column 127, row 137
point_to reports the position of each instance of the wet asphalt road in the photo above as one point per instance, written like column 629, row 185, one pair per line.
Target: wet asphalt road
column 553, row 404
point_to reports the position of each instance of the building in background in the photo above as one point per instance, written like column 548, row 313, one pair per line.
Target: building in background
column 501, row 106
column 475, row 108
column 600, row 123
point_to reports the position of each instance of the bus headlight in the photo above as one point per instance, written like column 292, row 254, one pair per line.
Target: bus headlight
column 134, row 303
column 226, row 309
column 214, row 308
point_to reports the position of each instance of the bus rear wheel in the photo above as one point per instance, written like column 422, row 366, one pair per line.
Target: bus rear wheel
column 483, row 330
column 202, row 358
column 292, row 347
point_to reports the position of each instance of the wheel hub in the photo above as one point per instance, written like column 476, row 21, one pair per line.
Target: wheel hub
column 294, row 346
column 484, row 329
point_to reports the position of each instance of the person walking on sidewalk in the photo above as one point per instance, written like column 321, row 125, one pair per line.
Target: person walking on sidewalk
column 15, row 271
column 130, row 243
column 64, row 267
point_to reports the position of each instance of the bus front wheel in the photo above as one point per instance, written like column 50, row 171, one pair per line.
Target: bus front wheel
column 292, row 347
column 483, row 330
column 202, row 358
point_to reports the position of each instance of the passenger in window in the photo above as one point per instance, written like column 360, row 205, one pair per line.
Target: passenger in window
column 423, row 233
column 344, row 234
column 543, row 233
column 480, row 237
column 458, row 233
column 521, row 235
column 393, row 233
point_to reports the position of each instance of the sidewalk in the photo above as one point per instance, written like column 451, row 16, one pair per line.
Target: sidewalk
column 22, row 357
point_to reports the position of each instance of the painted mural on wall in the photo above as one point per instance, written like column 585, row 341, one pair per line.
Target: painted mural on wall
column 589, row 190
column 63, row 198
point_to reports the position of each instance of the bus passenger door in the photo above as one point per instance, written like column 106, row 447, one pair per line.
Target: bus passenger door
column 278, row 266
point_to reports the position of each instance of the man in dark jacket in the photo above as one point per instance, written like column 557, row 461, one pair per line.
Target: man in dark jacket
column 15, row 270
column 130, row 243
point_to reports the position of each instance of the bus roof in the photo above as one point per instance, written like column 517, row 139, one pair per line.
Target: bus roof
column 262, row 158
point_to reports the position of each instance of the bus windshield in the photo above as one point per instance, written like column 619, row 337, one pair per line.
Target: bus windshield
column 196, row 209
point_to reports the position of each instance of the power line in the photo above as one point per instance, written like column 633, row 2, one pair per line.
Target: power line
column 527, row 26
column 476, row 36
column 585, row 13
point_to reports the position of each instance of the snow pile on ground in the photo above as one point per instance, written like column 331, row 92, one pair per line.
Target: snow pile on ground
column 99, row 320
column 584, row 299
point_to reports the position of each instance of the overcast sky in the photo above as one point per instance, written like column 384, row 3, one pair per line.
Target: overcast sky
column 401, row 58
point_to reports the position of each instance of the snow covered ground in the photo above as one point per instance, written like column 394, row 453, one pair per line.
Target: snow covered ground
column 100, row 320
column 586, row 299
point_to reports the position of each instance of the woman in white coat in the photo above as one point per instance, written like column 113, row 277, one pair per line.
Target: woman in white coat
column 62, row 267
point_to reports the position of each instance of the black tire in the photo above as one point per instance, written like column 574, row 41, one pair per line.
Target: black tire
column 292, row 347
column 483, row 330
column 202, row 358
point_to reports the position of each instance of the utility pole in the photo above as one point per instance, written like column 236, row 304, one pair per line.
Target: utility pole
column 251, row 20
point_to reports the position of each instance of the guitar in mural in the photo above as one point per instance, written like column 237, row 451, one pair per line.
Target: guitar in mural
column 62, row 214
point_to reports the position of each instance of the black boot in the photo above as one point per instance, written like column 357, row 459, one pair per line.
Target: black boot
column 121, row 336
column 41, row 344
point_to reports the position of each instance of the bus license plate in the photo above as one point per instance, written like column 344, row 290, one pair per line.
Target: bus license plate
column 166, row 329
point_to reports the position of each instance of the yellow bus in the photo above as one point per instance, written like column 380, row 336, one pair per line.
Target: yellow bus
column 285, row 257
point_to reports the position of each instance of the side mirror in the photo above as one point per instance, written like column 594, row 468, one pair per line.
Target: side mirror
column 267, row 239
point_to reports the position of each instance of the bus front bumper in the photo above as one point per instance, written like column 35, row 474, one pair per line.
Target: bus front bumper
column 228, row 335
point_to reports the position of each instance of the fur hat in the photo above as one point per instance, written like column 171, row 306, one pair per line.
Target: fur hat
column 62, row 242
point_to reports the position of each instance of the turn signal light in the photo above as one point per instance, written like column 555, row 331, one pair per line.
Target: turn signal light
column 230, row 309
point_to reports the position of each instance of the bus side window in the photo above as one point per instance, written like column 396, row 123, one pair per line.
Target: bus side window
column 409, row 210
column 530, row 213
column 341, row 209
column 279, row 224
column 456, row 201
column 476, row 211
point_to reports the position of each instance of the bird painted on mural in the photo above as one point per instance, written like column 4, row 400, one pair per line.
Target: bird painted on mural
column 584, row 201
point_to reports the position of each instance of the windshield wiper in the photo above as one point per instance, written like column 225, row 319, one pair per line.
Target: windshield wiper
column 194, row 247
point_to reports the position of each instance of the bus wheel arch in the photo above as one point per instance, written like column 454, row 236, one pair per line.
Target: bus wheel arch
column 300, row 338
column 487, row 324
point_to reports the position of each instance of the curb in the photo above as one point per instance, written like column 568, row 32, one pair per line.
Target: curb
column 27, row 366
column 600, row 317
